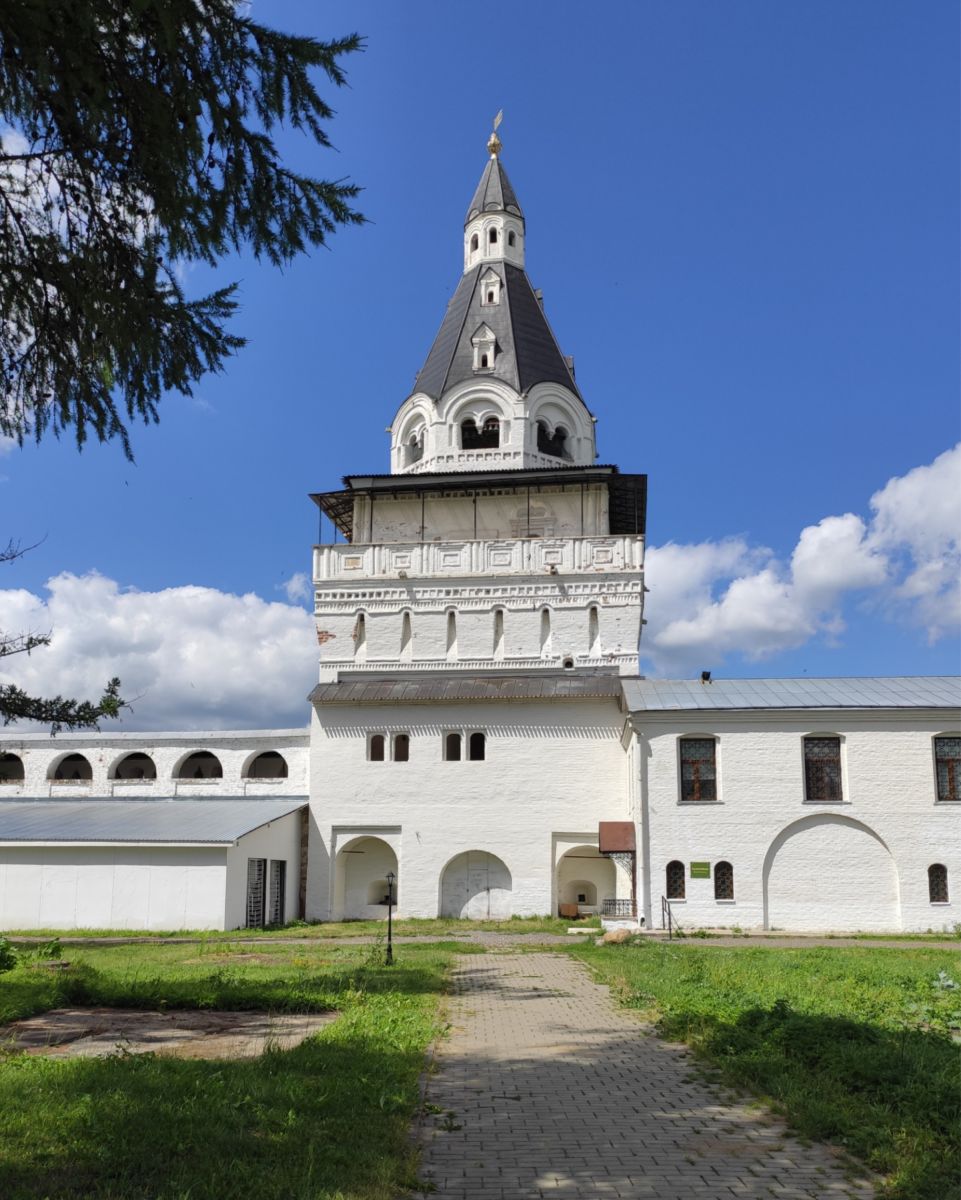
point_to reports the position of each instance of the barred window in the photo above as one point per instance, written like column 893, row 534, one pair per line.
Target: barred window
column 938, row 883
column 947, row 758
column 698, row 769
column 723, row 881
column 675, row 880
column 822, row 769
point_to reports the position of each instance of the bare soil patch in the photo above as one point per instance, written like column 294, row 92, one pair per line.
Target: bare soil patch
column 98, row 1032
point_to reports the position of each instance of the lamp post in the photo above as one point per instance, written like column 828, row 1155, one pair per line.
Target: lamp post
column 389, row 960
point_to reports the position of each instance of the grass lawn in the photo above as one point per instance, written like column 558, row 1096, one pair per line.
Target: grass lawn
column 434, row 927
column 853, row 1045
column 328, row 1120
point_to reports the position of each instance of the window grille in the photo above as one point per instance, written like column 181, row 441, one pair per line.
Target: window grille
column 256, row 876
column 477, row 747
column 947, row 757
column 675, row 880
column 938, row 883
column 278, row 890
column 822, row 769
column 698, row 769
column 723, row 881
column 452, row 747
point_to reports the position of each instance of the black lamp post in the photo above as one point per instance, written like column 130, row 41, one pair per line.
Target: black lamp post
column 389, row 960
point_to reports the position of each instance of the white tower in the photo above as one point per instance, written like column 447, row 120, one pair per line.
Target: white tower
column 496, row 544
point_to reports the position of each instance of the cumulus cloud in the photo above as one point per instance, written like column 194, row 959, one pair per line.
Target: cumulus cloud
column 188, row 657
column 714, row 599
column 296, row 588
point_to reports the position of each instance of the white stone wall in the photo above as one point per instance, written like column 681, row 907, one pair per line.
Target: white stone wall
column 277, row 840
column 112, row 887
column 549, row 768
column 41, row 754
column 858, row 864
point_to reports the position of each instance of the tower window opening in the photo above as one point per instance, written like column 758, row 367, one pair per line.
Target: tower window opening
column 451, row 637
column 492, row 237
column 484, row 362
column 511, row 238
column 498, row 633
column 415, row 447
column 474, row 243
column 554, row 444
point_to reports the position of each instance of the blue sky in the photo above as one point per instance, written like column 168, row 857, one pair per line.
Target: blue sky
column 744, row 217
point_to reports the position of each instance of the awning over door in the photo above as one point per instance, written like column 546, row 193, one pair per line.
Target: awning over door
column 616, row 837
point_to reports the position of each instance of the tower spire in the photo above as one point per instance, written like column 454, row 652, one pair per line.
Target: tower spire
column 494, row 144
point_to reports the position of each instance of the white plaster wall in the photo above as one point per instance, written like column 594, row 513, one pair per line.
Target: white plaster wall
column 549, row 767
column 40, row 753
column 278, row 839
column 113, row 887
column 888, row 785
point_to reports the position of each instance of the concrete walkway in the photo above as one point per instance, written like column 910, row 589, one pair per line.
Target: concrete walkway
column 546, row 1088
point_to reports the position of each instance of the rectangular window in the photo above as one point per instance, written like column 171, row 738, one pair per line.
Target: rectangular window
column 256, row 891
column 698, row 769
column 947, row 759
column 278, row 890
column 822, row 770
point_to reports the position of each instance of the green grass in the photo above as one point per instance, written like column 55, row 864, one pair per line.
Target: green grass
column 853, row 1045
column 328, row 1120
column 433, row 927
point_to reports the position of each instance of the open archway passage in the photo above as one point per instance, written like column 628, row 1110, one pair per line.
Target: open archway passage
column 585, row 879
column 831, row 874
column 476, row 885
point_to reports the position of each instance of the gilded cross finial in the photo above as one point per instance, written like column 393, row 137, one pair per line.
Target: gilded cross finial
column 494, row 144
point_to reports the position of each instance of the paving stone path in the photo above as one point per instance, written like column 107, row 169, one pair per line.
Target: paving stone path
column 546, row 1088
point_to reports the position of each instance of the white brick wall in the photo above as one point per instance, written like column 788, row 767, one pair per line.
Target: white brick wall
column 862, row 865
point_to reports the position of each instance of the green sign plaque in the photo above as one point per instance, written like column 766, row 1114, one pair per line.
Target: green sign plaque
column 700, row 870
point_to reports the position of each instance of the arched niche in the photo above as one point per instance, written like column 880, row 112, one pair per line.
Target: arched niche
column 360, row 879
column 72, row 768
column 11, row 768
column 136, row 765
column 584, row 871
column 200, row 765
column 830, row 872
column 476, row 885
column 269, row 764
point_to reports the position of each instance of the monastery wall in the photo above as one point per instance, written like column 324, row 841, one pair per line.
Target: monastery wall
column 859, row 863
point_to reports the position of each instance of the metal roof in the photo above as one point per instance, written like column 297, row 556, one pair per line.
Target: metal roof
column 508, row 687
column 917, row 691
column 526, row 349
column 217, row 822
column 494, row 192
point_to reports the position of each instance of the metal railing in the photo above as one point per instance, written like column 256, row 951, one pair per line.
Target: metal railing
column 619, row 908
column 668, row 920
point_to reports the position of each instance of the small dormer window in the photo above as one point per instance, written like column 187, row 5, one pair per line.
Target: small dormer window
column 485, row 348
column 490, row 288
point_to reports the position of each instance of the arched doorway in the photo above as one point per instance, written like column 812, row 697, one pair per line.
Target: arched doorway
column 830, row 872
column 360, row 879
column 585, row 878
column 476, row 885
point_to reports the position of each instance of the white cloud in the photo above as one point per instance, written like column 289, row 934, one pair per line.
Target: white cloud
column 7, row 444
column 188, row 657
column 719, row 598
column 296, row 588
